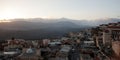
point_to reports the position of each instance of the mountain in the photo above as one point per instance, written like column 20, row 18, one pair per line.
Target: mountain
column 36, row 28
column 26, row 25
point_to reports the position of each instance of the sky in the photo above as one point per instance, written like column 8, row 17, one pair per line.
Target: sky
column 73, row 9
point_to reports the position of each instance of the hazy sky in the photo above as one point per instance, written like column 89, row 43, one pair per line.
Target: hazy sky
column 74, row 9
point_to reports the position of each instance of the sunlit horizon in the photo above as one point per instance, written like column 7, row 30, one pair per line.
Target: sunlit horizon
column 5, row 21
column 72, row 9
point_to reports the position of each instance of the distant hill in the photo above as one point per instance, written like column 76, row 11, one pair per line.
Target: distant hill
column 36, row 28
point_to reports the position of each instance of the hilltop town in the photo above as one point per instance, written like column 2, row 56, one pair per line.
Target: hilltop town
column 98, row 43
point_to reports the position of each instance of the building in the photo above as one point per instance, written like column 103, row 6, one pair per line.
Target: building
column 107, row 38
column 111, row 33
column 29, row 54
column 107, row 33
